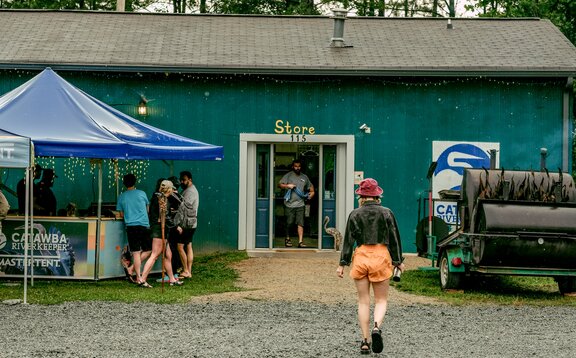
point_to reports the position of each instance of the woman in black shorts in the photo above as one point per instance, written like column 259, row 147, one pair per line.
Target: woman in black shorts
column 158, row 203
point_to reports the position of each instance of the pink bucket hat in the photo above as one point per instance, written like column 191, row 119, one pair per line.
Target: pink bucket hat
column 369, row 187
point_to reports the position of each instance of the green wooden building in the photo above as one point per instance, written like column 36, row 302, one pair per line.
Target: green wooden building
column 353, row 97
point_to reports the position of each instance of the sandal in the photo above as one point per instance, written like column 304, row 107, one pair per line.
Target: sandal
column 182, row 277
column 144, row 285
column 301, row 244
column 288, row 242
column 176, row 283
column 377, row 344
column 129, row 277
column 365, row 347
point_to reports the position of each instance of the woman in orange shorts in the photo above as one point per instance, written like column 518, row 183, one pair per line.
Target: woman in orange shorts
column 373, row 229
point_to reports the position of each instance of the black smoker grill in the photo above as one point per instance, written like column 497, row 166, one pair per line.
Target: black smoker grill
column 515, row 223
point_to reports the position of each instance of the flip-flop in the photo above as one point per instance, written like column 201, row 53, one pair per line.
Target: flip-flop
column 144, row 285
column 128, row 276
column 377, row 344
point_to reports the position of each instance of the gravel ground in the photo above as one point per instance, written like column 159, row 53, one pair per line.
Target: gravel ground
column 290, row 310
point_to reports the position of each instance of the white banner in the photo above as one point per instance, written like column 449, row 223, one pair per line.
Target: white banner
column 14, row 152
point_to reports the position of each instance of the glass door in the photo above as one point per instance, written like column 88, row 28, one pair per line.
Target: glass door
column 328, row 194
column 263, row 196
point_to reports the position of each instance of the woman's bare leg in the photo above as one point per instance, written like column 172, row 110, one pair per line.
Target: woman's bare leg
column 363, row 289
column 168, row 264
column 380, row 300
column 156, row 252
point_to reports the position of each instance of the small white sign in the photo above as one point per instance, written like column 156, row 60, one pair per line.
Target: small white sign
column 358, row 177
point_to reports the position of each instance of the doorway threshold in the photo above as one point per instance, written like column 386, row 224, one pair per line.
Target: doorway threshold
column 294, row 253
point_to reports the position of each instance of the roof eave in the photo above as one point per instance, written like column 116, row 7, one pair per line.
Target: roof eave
column 337, row 72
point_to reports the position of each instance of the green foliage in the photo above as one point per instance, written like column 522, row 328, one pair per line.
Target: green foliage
column 269, row 7
column 211, row 274
column 562, row 13
column 483, row 289
column 394, row 8
column 110, row 5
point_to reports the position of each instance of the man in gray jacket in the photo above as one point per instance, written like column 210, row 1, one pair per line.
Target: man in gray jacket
column 187, row 226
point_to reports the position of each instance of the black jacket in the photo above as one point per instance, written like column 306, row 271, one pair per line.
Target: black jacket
column 371, row 224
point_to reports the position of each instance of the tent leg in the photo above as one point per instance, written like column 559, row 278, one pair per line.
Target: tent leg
column 98, row 222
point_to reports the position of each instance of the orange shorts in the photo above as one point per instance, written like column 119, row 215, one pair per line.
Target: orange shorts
column 373, row 262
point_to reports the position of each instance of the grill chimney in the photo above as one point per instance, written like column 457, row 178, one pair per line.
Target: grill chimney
column 492, row 158
column 339, row 16
column 543, row 155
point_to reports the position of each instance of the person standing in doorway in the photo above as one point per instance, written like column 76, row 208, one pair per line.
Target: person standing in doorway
column 133, row 207
column 298, row 189
column 373, row 230
column 187, row 221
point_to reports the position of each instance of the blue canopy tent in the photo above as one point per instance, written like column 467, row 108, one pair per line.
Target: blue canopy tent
column 65, row 122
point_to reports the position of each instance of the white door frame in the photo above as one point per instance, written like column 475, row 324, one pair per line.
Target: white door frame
column 247, row 179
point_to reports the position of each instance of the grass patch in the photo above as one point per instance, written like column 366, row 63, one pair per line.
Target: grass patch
column 484, row 289
column 210, row 274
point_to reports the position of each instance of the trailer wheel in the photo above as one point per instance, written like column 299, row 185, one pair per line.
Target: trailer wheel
column 566, row 284
column 448, row 280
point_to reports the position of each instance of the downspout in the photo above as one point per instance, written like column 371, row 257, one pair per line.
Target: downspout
column 567, row 134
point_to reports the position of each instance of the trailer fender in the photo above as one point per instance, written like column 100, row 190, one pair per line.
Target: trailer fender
column 455, row 252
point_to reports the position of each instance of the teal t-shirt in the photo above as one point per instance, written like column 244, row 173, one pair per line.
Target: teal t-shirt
column 134, row 203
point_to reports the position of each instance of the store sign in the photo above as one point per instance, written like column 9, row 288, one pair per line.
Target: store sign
column 14, row 152
column 284, row 127
column 453, row 157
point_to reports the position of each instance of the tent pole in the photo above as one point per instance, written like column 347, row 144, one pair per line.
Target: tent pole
column 98, row 221
column 31, row 210
column 26, row 232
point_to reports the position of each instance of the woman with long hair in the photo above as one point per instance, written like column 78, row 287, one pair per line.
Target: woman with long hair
column 373, row 230
column 159, row 207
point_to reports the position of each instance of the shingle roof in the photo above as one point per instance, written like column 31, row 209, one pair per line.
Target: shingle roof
column 286, row 45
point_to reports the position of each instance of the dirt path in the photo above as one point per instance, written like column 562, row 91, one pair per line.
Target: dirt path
column 306, row 279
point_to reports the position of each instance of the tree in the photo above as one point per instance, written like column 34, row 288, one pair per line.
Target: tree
column 562, row 13
column 110, row 5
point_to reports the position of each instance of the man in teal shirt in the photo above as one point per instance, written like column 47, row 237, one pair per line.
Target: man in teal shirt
column 133, row 208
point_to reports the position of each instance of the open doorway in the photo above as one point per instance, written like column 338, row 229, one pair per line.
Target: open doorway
column 327, row 160
column 284, row 155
